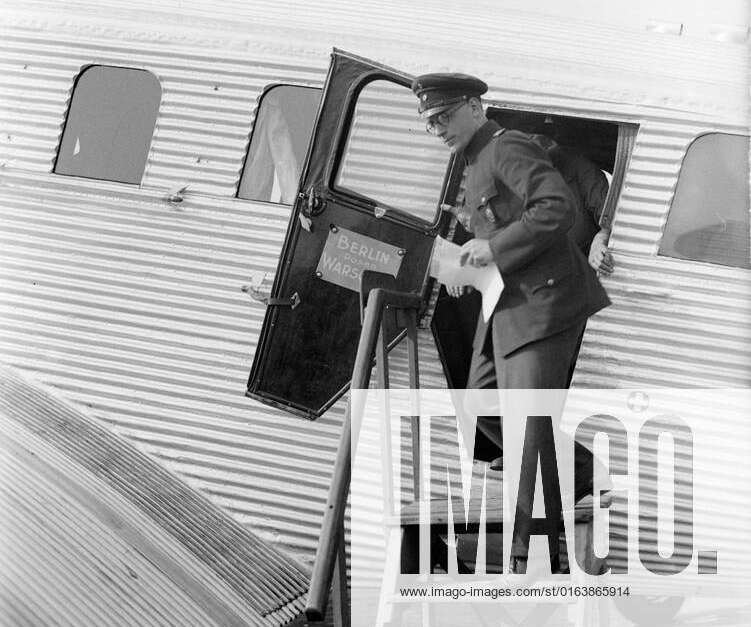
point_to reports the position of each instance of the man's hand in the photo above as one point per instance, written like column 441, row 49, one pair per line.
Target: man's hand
column 600, row 257
column 455, row 291
column 476, row 252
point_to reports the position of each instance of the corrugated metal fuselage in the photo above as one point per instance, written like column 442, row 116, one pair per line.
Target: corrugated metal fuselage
column 132, row 308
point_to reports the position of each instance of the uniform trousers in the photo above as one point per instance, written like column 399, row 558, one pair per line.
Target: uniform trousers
column 543, row 364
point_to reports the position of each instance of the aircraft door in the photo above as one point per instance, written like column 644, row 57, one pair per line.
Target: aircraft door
column 369, row 200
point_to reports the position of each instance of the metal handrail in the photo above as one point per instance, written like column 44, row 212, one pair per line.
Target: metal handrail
column 332, row 527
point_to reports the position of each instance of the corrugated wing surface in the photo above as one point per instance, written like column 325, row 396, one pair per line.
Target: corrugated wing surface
column 83, row 508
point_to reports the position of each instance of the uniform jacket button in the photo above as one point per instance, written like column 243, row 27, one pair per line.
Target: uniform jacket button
column 550, row 281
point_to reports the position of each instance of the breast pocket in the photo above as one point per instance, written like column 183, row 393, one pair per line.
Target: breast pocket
column 487, row 209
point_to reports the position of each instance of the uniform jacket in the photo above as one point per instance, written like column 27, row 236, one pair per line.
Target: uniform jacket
column 520, row 203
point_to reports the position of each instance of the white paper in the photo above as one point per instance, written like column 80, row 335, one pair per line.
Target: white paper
column 444, row 267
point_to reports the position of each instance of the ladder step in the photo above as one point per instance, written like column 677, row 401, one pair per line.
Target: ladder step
column 410, row 514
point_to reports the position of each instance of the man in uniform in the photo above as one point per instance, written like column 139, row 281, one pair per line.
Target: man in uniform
column 520, row 211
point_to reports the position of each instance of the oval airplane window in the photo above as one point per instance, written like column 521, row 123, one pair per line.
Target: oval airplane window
column 389, row 158
column 110, row 124
column 709, row 217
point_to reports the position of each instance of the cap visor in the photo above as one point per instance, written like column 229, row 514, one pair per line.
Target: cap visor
column 436, row 110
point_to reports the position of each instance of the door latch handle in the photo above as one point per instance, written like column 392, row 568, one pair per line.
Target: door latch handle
column 315, row 202
column 291, row 301
column 263, row 297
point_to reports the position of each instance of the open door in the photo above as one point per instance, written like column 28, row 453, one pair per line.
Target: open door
column 369, row 199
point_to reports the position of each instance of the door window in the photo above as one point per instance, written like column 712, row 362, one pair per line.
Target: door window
column 389, row 158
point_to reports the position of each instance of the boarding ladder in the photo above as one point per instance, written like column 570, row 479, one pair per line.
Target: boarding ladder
column 382, row 307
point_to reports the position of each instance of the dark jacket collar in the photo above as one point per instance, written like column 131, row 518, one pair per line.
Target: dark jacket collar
column 479, row 140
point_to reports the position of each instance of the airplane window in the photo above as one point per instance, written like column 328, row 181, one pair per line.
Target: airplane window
column 110, row 123
column 709, row 217
column 281, row 133
column 389, row 158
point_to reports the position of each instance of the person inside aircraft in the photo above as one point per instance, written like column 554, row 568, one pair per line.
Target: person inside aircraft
column 520, row 210
column 590, row 188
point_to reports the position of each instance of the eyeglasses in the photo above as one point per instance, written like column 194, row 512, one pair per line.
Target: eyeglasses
column 442, row 118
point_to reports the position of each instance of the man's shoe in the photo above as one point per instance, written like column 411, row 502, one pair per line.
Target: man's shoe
column 518, row 565
column 497, row 464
